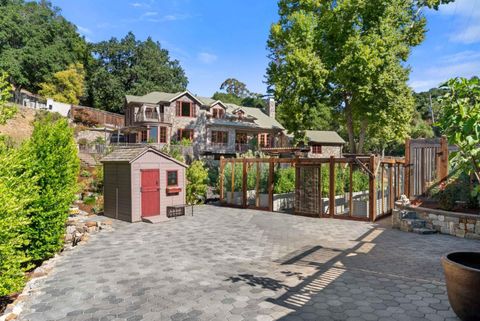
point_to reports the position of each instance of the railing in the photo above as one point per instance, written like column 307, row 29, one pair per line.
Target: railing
column 242, row 148
column 153, row 117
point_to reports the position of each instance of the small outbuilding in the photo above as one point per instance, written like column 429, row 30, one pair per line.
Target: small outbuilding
column 140, row 183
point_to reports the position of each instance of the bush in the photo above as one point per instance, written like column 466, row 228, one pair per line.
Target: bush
column 284, row 180
column 455, row 192
column 56, row 164
column 197, row 177
column 85, row 173
column 18, row 191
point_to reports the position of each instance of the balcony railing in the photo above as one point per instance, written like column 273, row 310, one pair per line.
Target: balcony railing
column 153, row 117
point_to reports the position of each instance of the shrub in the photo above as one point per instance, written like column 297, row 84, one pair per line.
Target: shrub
column 85, row 173
column 56, row 163
column 197, row 177
column 284, row 180
column 454, row 192
column 18, row 192
column 90, row 200
column 7, row 111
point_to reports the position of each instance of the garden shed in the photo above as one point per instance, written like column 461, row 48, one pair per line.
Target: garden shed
column 141, row 183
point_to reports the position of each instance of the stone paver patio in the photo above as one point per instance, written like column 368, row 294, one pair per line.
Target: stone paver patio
column 231, row 264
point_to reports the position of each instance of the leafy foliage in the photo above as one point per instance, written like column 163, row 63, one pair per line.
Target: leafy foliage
column 197, row 178
column 236, row 92
column 460, row 122
column 18, row 192
column 284, row 180
column 235, row 87
column 6, row 111
column 130, row 66
column 345, row 59
column 36, row 41
column 56, row 165
column 66, row 86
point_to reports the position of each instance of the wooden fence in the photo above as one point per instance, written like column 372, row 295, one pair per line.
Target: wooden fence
column 427, row 163
column 357, row 187
column 94, row 116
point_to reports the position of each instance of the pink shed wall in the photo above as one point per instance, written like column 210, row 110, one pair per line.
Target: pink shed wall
column 151, row 160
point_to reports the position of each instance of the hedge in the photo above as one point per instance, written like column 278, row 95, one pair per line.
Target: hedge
column 37, row 186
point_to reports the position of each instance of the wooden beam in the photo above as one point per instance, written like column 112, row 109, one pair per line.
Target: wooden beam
column 350, row 201
column 372, row 193
column 244, row 183
column 391, row 192
column 443, row 168
column 383, row 188
column 232, row 193
column 257, row 187
column 271, row 172
column 407, row 172
column 222, row 173
column 320, row 201
column 331, row 203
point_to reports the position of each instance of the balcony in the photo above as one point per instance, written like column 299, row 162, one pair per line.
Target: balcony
column 243, row 148
column 152, row 117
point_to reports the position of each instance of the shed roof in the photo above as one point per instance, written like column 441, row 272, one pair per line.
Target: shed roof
column 129, row 155
column 323, row 136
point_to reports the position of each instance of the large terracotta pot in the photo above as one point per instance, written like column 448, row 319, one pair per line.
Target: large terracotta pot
column 462, row 274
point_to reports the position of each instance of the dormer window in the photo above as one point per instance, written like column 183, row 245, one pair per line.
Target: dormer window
column 240, row 114
column 217, row 113
column 185, row 109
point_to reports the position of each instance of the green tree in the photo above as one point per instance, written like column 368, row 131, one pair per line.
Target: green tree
column 18, row 192
column 7, row 110
column 66, row 86
column 35, row 42
column 130, row 66
column 460, row 122
column 345, row 58
column 197, row 178
column 56, row 164
column 235, row 87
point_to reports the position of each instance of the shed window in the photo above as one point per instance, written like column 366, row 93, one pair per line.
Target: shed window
column 172, row 178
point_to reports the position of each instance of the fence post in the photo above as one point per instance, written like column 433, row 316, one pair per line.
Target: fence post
column 222, row 167
column 271, row 172
column 244, row 183
column 331, row 203
column 391, row 193
column 233, row 181
column 408, row 168
column 372, row 195
column 442, row 169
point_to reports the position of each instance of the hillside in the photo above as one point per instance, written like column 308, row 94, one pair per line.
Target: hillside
column 19, row 127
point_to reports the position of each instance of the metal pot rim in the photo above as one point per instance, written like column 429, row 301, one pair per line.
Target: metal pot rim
column 446, row 259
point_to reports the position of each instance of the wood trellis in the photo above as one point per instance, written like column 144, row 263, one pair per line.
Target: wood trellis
column 315, row 195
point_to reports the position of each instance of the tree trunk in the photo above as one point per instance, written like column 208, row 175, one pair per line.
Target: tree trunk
column 350, row 128
column 363, row 134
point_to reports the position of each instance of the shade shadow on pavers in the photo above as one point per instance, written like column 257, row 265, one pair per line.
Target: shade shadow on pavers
column 233, row 264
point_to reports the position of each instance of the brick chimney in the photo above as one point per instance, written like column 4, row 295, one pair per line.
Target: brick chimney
column 271, row 107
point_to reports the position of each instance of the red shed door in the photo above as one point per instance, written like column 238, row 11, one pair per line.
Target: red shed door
column 150, row 192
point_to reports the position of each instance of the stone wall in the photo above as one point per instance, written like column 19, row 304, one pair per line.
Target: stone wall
column 327, row 151
column 451, row 223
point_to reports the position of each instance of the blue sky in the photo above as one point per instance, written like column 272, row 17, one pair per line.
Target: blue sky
column 219, row 39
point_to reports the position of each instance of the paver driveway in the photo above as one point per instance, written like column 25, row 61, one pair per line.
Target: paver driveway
column 229, row 264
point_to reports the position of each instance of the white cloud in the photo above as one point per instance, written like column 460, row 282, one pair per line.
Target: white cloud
column 170, row 17
column 465, row 21
column 461, row 64
column 150, row 14
column 136, row 4
column 206, row 58
column 84, row 30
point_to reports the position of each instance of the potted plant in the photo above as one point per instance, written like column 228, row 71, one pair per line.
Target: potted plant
column 462, row 275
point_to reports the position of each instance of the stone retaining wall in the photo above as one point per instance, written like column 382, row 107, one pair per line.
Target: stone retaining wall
column 445, row 222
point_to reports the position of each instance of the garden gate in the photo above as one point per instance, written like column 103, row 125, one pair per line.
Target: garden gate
column 427, row 162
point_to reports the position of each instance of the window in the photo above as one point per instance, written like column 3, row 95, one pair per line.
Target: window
column 219, row 137
column 316, row 149
column 144, row 136
column 172, row 178
column 163, row 134
column 217, row 113
column 185, row 109
column 153, row 134
column 263, row 140
column 185, row 133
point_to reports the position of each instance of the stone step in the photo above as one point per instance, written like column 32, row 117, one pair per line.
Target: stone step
column 424, row 231
column 409, row 215
column 414, row 223
column 155, row 219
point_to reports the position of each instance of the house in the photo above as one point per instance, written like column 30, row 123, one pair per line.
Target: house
column 215, row 128
column 142, row 184
column 324, row 143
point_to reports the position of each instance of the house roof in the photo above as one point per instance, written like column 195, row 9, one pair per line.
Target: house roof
column 129, row 155
column 156, row 96
column 322, row 136
column 260, row 118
